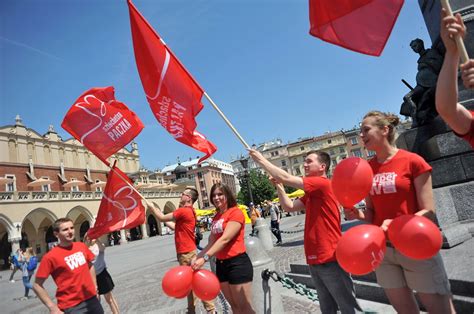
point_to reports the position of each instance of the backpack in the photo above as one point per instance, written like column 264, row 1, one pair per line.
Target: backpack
column 32, row 264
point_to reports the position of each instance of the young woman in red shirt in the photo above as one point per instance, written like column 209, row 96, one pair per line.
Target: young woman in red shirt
column 226, row 242
column 401, row 185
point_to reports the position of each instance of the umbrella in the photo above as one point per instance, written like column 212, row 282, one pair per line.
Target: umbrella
column 141, row 185
column 297, row 193
column 99, row 184
column 4, row 180
column 74, row 183
column 40, row 182
column 205, row 212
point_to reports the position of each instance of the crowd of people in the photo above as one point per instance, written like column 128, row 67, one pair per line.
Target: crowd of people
column 402, row 184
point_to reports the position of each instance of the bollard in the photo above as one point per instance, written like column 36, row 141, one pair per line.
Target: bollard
column 266, row 293
column 264, row 234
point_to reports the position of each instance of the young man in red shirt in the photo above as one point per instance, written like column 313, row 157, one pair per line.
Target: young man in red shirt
column 322, row 228
column 183, row 221
column 71, row 266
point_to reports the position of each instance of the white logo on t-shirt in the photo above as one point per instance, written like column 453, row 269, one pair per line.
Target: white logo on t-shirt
column 384, row 183
column 217, row 226
column 75, row 260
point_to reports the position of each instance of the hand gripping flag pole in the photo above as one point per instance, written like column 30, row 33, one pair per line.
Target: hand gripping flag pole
column 459, row 42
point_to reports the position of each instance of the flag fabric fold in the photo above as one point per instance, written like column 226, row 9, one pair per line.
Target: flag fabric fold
column 174, row 96
column 120, row 208
column 360, row 25
column 101, row 123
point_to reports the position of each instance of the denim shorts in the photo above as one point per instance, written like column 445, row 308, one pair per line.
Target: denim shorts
column 235, row 270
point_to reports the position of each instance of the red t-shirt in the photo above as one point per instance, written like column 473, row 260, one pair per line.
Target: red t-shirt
column 236, row 246
column 469, row 136
column 184, row 233
column 322, row 229
column 69, row 268
column 393, row 188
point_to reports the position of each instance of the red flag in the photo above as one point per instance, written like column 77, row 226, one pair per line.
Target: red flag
column 360, row 25
column 120, row 208
column 102, row 124
column 174, row 96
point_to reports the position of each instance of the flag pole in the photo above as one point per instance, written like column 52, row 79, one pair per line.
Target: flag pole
column 227, row 121
column 459, row 41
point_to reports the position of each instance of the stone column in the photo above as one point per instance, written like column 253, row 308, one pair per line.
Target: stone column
column 123, row 237
column 264, row 233
column 144, row 231
column 266, row 293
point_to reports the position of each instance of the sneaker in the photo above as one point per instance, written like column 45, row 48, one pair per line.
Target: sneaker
column 23, row 298
column 12, row 281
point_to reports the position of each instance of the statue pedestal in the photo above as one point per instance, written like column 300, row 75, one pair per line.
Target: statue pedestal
column 452, row 160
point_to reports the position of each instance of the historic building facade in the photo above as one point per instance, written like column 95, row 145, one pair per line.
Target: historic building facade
column 44, row 177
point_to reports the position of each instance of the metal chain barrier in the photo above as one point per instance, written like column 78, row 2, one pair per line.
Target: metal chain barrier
column 293, row 231
column 288, row 283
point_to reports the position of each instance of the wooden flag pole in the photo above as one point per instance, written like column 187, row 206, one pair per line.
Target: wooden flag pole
column 459, row 41
column 227, row 121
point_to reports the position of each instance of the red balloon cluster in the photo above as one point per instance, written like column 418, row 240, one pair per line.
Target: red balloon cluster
column 205, row 285
column 361, row 249
column 352, row 181
column 414, row 236
column 178, row 282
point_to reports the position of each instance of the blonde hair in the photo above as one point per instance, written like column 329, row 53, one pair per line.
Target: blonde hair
column 385, row 119
column 29, row 252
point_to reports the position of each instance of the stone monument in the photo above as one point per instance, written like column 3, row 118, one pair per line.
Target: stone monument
column 452, row 158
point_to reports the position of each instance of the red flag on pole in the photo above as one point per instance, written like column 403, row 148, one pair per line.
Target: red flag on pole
column 120, row 208
column 101, row 123
column 359, row 25
column 174, row 96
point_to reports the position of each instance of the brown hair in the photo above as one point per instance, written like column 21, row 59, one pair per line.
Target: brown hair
column 58, row 223
column 231, row 201
column 323, row 158
column 385, row 119
column 193, row 193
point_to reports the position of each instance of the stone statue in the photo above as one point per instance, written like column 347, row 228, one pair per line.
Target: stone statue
column 419, row 103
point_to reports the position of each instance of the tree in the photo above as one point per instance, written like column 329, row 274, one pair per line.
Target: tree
column 262, row 188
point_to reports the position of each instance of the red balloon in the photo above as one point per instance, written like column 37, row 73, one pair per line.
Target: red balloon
column 361, row 249
column 352, row 181
column 206, row 286
column 177, row 281
column 414, row 236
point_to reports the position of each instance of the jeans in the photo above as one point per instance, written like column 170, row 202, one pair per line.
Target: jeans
column 335, row 288
column 27, row 284
column 275, row 225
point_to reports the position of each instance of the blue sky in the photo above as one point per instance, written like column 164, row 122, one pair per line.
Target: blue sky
column 255, row 59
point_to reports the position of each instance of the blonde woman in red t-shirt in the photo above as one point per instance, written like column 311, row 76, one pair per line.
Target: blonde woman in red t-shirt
column 226, row 242
column 401, row 185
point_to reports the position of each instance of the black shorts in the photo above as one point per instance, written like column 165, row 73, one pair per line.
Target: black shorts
column 105, row 284
column 235, row 270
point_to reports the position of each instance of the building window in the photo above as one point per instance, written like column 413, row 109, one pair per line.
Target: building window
column 370, row 153
column 46, row 187
column 98, row 188
column 334, row 162
column 331, row 152
column 302, row 148
column 329, row 141
column 283, row 163
column 295, row 160
column 354, row 141
column 342, row 150
column 10, row 187
column 297, row 171
column 343, row 156
column 357, row 153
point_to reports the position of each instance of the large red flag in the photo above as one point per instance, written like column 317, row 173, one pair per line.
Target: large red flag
column 360, row 25
column 174, row 96
column 101, row 123
column 120, row 208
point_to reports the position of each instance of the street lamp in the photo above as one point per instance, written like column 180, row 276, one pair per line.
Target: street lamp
column 245, row 164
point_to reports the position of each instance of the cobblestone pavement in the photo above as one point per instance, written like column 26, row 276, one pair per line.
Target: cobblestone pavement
column 138, row 268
